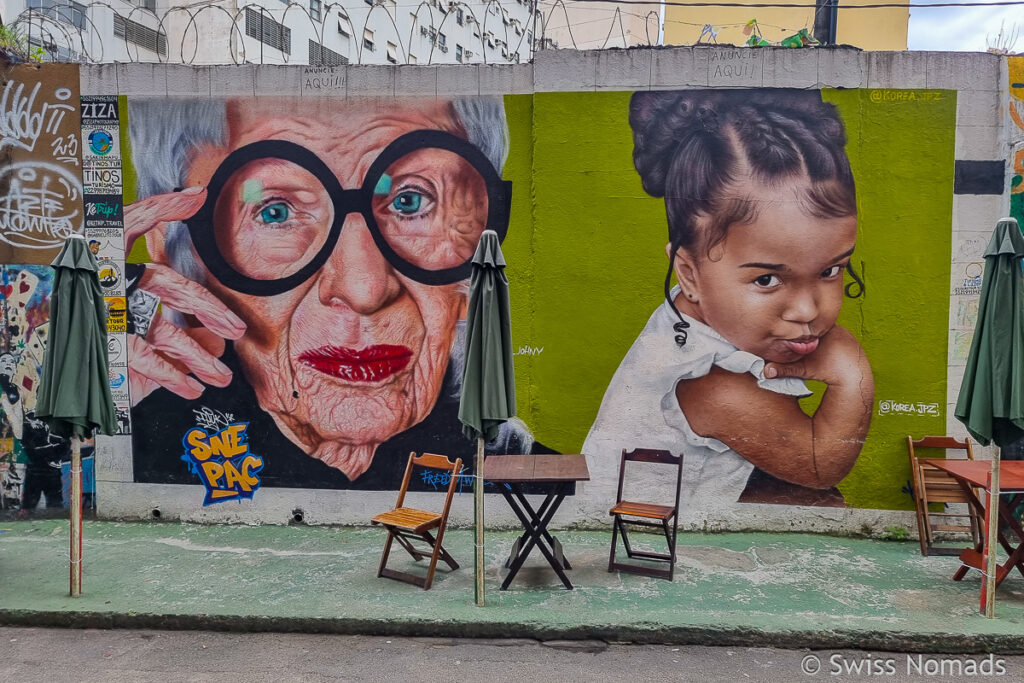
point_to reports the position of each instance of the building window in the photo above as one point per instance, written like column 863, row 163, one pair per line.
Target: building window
column 324, row 56
column 146, row 4
column 68, row 11
column 458, row 52
column 368, row 40
column 316, row 10
column 392, row 53
column 143, row 36
column 343, row 27
column 264, row 29
column 412, row 59
column 459, row 16
column 442, row 40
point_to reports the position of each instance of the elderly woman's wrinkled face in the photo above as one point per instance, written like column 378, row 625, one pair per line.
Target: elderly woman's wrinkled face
column 358, row 352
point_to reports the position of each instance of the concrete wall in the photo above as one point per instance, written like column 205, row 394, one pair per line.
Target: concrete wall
column 915, row 121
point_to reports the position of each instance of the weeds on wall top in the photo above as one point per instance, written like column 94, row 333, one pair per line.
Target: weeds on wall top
column 15, row 47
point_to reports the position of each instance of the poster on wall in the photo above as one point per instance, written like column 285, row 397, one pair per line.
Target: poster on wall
column 312, row 286
column 40, row 161
column 104, row 231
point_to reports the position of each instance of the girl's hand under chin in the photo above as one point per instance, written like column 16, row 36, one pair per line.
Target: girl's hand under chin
column 839, row 359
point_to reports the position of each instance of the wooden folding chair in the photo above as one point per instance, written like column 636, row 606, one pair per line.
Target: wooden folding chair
column 409, row 524
column 931, row 485
column 624, row 513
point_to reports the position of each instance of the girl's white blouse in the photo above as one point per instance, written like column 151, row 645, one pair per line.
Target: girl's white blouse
column 640, row 410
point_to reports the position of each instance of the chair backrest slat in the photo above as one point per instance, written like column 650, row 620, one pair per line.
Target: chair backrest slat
column 942, row 442
column 430, row 461
column 434, row 462
column 651, row 455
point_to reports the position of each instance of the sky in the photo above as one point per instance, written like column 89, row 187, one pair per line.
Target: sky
column 963, row 28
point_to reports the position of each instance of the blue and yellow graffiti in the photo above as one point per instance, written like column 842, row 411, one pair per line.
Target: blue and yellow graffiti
column 222, row 461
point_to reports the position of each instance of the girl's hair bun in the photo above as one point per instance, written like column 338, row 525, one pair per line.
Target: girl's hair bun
column 660, row 121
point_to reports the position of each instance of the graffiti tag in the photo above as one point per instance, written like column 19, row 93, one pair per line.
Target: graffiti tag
column 22, row 121
column 529, row 351
column 40, row 209
column 223, row 462
column 441, row 480
column 900, row 408
column 208, row 418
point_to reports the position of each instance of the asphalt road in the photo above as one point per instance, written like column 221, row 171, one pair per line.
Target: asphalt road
column 28, row 655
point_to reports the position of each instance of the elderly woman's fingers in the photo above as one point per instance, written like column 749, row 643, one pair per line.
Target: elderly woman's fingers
column 149, row 369
column 172, row 342
column 213, row 343
column 189, row 297
column 146, row 214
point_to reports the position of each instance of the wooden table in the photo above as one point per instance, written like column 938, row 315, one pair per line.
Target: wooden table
column 975, row 473
column 556, row 473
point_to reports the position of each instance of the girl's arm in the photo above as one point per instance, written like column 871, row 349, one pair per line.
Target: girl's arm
column 771, row 431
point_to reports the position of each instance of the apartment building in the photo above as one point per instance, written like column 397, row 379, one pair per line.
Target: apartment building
column 274, row 32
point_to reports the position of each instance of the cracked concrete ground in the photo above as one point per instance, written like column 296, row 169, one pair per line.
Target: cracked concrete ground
column 791, row 590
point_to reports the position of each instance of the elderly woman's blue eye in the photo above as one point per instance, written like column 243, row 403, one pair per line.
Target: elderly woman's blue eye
column 275, row 213
column 407, row 202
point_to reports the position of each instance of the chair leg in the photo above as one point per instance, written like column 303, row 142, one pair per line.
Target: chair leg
column 384, row 556
column 615, row 541
column 922, row 526
column 625, row 538
column 445, row 556
column 670, row 539
column 433, row 556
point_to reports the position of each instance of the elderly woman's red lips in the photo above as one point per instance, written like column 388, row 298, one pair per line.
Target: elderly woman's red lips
column 370, row 364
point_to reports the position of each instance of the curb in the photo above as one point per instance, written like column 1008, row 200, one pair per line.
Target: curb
column 843, row 639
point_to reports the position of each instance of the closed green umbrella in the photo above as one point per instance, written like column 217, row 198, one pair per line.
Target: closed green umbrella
column 74, row 390
column 991, row 401
column 488, row 379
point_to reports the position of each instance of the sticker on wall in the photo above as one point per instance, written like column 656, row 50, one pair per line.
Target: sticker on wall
column 115, row 349
column 223, row 462
column 971, row 284
column 124, row 418
column 967, row 313
column 118, row 377
column 110, row 277
column 117, row 314
column 100, row 142
column 962, row 345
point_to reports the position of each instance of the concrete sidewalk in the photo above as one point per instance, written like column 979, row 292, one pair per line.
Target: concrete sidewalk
column 790, row 590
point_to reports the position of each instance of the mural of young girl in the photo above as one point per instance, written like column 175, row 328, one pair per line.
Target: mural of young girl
column 762, row 222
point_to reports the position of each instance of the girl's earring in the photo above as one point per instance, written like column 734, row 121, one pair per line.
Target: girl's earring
column 691, row 297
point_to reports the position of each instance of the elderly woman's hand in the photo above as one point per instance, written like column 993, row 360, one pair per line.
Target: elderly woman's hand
column 168, row 354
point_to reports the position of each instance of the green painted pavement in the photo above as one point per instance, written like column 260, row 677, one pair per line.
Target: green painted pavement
column 791, row 590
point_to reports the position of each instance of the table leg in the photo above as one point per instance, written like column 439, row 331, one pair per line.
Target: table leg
column 536, row 530
column 556, row 547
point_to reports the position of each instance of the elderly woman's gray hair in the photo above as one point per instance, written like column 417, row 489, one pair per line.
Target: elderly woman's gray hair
column 164, row 132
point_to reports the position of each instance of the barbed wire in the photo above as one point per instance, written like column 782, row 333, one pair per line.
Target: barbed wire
column 177, row 35
column 54, row 29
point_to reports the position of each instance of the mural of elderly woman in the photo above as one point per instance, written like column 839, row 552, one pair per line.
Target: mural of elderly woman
column 311, row 260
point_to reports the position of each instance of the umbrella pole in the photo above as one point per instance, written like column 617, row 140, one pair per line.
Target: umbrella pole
column 478, row 515
column 76, row 517
column 992, row 532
